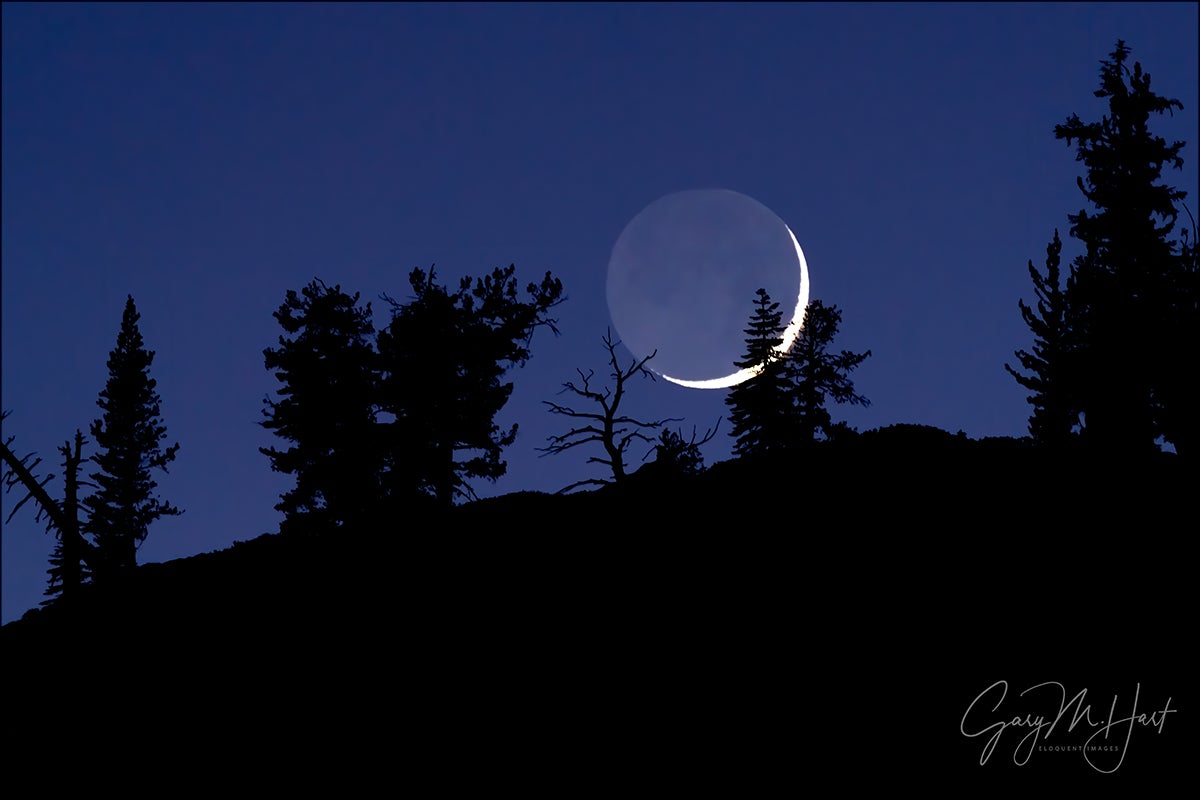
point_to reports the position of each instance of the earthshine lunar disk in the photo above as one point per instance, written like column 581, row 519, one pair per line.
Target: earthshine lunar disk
column 682, row 278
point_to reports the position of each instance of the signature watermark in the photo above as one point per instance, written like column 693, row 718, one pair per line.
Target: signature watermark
column 1107, row 737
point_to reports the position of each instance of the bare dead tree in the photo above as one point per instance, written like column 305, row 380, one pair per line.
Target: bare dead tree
column 68, row 564
column 613, row 431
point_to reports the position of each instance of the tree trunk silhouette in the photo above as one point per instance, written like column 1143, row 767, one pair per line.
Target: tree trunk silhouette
column 613, row 431
column 73, row 549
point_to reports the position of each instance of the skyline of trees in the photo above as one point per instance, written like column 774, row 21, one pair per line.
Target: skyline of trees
column 380, row 421
column 1114, row 364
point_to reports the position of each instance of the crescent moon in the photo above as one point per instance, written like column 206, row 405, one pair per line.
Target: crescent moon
column 789, row 334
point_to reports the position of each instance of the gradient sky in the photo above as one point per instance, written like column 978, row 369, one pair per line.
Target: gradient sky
column 206, row 158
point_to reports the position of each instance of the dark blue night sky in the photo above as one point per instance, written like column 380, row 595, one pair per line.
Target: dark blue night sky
column 206, row 158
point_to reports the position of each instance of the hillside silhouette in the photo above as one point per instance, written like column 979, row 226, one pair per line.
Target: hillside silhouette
column 719, row 613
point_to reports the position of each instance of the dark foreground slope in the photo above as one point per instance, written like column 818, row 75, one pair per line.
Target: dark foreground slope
column 763, row 624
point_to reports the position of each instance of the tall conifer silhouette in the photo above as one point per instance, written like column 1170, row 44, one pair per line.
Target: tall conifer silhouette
column 1129, row 313
column 129, row 436
column 760, row 414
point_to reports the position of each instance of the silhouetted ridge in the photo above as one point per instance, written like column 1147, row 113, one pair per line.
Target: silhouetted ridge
column 846, row 568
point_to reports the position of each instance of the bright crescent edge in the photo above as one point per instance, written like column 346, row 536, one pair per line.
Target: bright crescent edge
column 789, row 334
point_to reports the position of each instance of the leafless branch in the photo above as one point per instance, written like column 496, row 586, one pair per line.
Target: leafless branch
column 612, row 431
column 21, row 472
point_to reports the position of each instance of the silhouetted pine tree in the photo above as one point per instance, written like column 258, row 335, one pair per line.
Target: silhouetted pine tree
column 444, row 355
column 326, row 366
column 760, row 415
column 817, row 375
column 1121, row 294
column 129, row 436
column 1054, row 416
